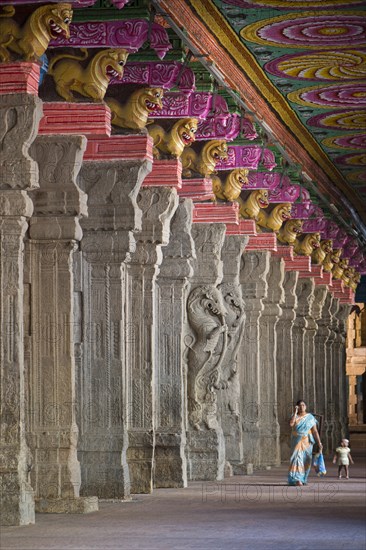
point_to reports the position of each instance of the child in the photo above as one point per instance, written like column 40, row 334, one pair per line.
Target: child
column 342, row 457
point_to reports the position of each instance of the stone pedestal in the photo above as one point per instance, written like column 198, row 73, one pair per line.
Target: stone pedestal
column 158, row 205
column 269, row 429
column 114, row 217
column 19, row 114
column 317, row 382
column 253, row 280
column 54, row 234
column 206, row 341
column 170, row 379
column 229, row 394
column 285, row 361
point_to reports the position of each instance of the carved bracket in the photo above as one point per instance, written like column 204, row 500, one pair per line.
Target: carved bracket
column 241, row 156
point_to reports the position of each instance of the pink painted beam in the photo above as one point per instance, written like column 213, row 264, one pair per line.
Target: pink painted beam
column 263, row 180
column 119, row 147
column 19, row 78
column 262, row 241
column 216, row 213
column 219, row 128
column 180, row 105
column 130, row 34
column 247, row 156
column 158, row 74
column 286, row 193
column 165, row 173
column 313, row 225
column 331, row 230
column 244, row 227
column 197, row 189
column 89, row 119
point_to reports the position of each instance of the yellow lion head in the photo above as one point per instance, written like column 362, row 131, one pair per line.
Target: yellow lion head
column 186, row 130
column 214, row 151
column 326, row 245
column 314, row 240
column 336, row 255
column 112, row 62
column 261, row 197
column 56, row 18
column 283, row 211
column 151, row 99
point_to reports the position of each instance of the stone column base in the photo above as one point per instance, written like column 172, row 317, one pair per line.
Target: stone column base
column 170, row 464
column 80, row 505
column 206, row 456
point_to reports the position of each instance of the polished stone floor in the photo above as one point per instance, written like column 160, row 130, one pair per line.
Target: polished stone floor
column 257, row 512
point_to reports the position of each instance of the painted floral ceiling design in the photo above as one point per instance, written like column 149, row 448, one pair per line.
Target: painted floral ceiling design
column 314, row 53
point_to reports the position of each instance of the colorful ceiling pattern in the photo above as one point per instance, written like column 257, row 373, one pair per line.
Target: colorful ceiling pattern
column 314, row 53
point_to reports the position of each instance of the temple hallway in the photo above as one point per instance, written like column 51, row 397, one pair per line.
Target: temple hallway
column 256, row 512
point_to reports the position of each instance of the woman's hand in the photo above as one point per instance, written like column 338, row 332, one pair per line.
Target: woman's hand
column 296, row 410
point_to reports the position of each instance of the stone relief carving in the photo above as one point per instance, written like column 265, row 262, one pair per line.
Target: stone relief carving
column 206, row 316
column 31, row 41
column 91, row 82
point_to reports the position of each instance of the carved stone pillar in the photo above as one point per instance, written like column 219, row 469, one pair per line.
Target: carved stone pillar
column 171, row 403
column 331, row 425
column 206, row 340
column 322, row 362
column 303, row 332
column 253, row 280
column 54, row 233
column 285, row 361
column 320, row 293
column 158, row 205
column 19, row 115
column 229, row 394
column 269, row 429
column 112, row 188
column 343, row 313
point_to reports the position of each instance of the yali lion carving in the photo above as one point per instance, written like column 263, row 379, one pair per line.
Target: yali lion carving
column 347, row 275
column 290, row 231
column 251, row 207
column 307, row 245
column 233, row 185
column 338, row 268
column 331, row 259
column 135, row 112
column 206, row 316
column 205, row 162
column 274, row 219
column 173, row 142
column 318, row 256
column 31, row 40
column 92, row 81
column 354, row 281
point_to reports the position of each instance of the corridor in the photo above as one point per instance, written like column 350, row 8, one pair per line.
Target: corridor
column 258, row 512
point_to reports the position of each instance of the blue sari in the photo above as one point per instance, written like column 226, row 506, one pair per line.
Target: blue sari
column 302, row 442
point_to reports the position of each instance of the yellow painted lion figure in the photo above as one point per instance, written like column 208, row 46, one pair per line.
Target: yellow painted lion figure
column 92, row 81
column 274, row 220
column 338, row 269
column 205, row 162
column 233, row 185
column 290, row 231
column 356, row 278
column 333, row 257
column 251, row 207
column 181, row 135
column 141, row 104
column 309, row 243
column 318, row 256
column 31, row 40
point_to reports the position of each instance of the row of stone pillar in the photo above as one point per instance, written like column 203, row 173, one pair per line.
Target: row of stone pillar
column 138, row 348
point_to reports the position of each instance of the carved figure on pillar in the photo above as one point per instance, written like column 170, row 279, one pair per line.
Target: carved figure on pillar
column 274, row 219
column 31, row 41
column 233, row 185
column 181, row 135
column 290, row 231
column 252, row 206
column 204, row 163
column 307, row 245
column 354, row 281
column 91, row 82
column 206, row 315
column 319, row 254
column 235, row 321
column 140, row 105
column 347, row 275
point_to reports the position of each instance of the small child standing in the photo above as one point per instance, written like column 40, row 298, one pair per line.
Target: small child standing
column 343, row 457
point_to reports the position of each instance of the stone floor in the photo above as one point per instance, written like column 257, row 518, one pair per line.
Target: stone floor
column 256, row 512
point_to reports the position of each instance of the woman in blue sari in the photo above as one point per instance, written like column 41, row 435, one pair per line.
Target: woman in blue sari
column 303, row 436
